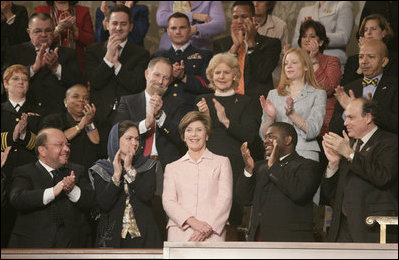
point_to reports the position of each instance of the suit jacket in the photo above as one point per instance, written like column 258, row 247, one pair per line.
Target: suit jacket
column 36, row 223
column 367, row 186
column 386, row 97
column 140, row 22
column 310, row 104
column 106, row 87
column 44, row 87
column 169, row 145
column 203, row 190
column 352, row 64
column 259, row 65
column 282, row 198
column 22, row 151
column 195, row 65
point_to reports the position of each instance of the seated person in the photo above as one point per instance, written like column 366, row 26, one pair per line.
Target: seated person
column 77, row 123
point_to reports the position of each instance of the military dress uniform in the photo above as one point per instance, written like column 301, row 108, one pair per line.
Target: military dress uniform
column 22, row 152
column 195, row 64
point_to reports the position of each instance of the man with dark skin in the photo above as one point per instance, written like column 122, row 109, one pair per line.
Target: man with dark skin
column 280, row 188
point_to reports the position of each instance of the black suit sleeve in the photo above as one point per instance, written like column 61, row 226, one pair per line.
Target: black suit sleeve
column 299, row 182
column 70, row 74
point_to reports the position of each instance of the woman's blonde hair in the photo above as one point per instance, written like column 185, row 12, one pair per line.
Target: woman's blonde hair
column 308, row 71
column 230, row 61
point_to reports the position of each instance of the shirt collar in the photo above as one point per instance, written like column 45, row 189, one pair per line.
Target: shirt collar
column 224, row 94
column 376, row 77
column 15, row 103
column 183, row 48
column 207, row 154
column 123, row 44
column 48, row 168
column 368, row 135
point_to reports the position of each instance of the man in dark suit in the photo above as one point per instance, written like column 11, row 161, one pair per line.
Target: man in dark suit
column 375, row 85
column 362, row 175
column 280, row 189
column 189, row 63
column 158, row 118
column 259, row 54
column 115, row 68
column 50, row 197
column 52, row 70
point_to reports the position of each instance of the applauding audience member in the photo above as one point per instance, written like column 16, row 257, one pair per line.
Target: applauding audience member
column 73, row 26
column 140, row 22
column 114, row 68
column 77, row 123
column 280, row 188
column 51, row 197
column 374, row 26
column 362, row 176
column 189, row 63
column 235, row 119
column 375, row 85
column 257, row 55
column 124, row 184
column 53, row 69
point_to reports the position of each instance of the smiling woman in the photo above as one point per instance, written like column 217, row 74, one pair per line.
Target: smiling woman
column 198, row 188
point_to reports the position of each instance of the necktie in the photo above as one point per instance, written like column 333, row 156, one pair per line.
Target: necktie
column 17, row 107
column 367, row 82
column 241, row 62
column 358, row 144
column 149, row 140
column 119, row 50
column 56, row 176
column 178, row 52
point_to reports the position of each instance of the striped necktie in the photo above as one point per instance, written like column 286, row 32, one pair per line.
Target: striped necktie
column 366, row 82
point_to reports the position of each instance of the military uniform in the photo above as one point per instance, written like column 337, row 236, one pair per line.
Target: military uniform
column 195, row 64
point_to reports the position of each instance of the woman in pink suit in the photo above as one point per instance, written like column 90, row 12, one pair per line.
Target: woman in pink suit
column 198, row 188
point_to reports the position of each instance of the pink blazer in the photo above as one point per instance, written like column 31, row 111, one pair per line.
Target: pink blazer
column 203, row 190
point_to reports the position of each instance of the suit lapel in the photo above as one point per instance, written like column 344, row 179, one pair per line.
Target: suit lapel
column 381, row 90
column 44, row 175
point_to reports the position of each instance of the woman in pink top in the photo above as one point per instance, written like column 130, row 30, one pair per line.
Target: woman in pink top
column 198, row 188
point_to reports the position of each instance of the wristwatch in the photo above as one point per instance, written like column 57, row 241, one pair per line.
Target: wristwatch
column 90, row 128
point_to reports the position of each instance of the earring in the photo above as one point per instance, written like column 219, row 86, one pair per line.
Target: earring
column 66, row 106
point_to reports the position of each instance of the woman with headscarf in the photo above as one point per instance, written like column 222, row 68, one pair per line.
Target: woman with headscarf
column 124, row 185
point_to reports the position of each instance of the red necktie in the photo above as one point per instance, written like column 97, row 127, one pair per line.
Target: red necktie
column 149, row 140
column 241, row 62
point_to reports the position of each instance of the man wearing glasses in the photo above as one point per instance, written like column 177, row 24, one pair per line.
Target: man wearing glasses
column 51, row 197
column 53, row 69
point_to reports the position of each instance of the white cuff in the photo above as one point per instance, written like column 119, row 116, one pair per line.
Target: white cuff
column 48, row 196
column 247, row 174
column 74, row 195
column 58, row 72
column 110, row 64
column 329, row 173
column 161, row 119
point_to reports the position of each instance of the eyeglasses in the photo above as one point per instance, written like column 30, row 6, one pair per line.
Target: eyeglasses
column 61, row 145
column 25, row 79
column 38, row 31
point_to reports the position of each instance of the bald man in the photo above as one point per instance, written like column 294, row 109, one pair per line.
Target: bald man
column 50, row 197
column 375, row 85
column 362, row 175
